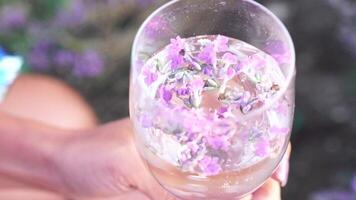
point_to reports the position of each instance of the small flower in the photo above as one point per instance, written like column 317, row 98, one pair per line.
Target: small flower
column 230, row 72
column 182, row 91
column 220, row 142
column 72, row 16
column 166, row 95
column 221, row 111
column 38, row 57
column 88, row 64
column 150, row 77
column 262, row 148
column 12, row 17
column 229, row 58
column 221, row 43
column 176, row 52
column 210, row 166
column 64, row 58
column 353, row 183
column 208, row 70
column 208, row 55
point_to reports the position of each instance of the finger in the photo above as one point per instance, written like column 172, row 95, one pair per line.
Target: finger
column 269, row 191
column 282, row 172
column 132, row 195
column 248, row 197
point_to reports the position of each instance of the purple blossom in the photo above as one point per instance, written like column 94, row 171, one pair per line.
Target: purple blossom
column 38, row 56
column 208, row 55
column 166, row 95
column 64, row 58
column 88, row 64
column 182, row 91
column 208, row 70
column 219, row 142
column 210, row 166
column 175, row 52
column 229, row 58
column 73, row 16
column 333, row 195
column 149, row 76
column 221, row 111
column 221, row 43
column 12, row 16
column 262, row 148
column 145, row 3
column 353, row 184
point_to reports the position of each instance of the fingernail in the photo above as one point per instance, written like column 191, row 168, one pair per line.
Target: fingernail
column 283, row 172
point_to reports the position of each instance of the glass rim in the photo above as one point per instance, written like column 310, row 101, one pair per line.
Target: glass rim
column 291, row 47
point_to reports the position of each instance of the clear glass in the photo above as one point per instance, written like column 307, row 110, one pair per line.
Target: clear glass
column 241, row 163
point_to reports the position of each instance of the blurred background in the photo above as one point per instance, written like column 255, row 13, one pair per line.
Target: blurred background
column 87, row 43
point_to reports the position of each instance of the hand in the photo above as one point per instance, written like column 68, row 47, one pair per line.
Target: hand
column 105, row 163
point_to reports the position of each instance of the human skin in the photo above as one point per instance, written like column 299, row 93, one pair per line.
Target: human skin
column 100, row 162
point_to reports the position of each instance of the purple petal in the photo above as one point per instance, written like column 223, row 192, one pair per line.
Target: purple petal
column 221, row 43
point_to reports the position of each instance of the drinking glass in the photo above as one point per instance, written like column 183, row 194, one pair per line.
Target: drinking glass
column 195, row 151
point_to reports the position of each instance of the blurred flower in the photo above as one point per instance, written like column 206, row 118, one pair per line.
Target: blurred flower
column 347, row 29
column 210, row 165
column 72, row 16
column 336, row 194
column 221, row 43
column 353, row 183
column 208, row 55
column 145, row 3
column 176, row 51
column 38, row 56
column 88, row 64
column 12, row 17
column 64, row 58
column 332, row 195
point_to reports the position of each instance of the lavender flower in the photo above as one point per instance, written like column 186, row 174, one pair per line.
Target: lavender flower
column 73, row 16
column 64, row 58
column 219, row 142
column 12, row 17
column 150, row 77
column 229, row 58
column 145, row 3
column 88, row 64
column 210, row 166
column 38, row 57
column 353, row 184
column 221, row 43
column 208, row 55
column 332, row 195
column 176, row 49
